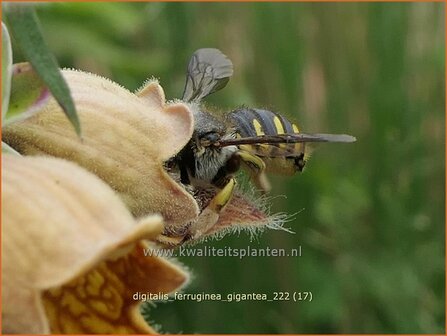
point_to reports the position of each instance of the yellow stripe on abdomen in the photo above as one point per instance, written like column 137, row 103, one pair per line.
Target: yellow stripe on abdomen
column 262, row 149
column 258, row 127
column 278, row 125
column 279, row 129
column 299, row 147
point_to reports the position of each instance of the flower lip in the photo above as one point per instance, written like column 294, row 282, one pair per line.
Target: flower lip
column 244, row 211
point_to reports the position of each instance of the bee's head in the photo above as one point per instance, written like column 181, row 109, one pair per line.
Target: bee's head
column 209, row 139
column 208, row 130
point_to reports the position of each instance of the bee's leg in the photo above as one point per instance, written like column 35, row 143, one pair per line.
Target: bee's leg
column 173, row 238
column 210, row 215
column 169, row 242
column 226, row 172
column 257, row 169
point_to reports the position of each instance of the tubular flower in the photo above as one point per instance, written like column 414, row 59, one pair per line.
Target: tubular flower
column 72, row 253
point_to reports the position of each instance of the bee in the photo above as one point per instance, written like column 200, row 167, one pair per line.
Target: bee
column 259, row 140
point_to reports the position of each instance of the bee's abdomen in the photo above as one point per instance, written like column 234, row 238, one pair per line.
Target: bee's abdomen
column 253, row 122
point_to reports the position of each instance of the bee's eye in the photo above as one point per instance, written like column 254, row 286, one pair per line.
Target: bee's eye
column 209, row 138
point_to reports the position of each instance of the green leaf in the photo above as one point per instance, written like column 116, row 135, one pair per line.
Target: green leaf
column 28, row 93
column 6, row 69
column 26, row 31
column 8, row 149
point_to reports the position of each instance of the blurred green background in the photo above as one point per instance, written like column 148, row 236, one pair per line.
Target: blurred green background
column 370, row 216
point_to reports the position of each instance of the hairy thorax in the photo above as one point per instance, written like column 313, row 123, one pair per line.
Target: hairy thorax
column 210, row 161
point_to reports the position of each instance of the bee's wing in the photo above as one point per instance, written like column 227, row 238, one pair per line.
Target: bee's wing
column 209, row 70
column 283, row 144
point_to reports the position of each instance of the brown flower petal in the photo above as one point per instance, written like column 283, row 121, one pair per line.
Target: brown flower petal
column 64, row 230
